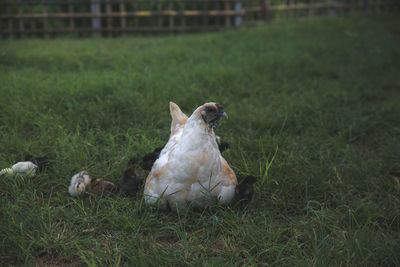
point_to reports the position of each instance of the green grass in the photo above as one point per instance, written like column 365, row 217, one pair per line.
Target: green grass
column 313, row 110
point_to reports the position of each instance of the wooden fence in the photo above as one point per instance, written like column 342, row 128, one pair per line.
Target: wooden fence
column 49, row 18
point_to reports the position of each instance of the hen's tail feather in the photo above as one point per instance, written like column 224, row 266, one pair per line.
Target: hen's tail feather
column 178, row 117
column 8, row 171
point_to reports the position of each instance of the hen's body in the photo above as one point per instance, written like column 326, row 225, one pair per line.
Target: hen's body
column 190, row 169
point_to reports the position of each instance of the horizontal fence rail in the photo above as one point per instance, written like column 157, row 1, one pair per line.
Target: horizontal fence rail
column 49, row 18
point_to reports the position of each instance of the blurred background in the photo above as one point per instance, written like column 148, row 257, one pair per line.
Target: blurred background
column 109, row 18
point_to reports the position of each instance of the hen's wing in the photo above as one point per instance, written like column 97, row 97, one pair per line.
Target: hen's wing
column 228, row 183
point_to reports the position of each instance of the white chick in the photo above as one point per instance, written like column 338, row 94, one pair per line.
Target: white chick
column 23, row 168
column 79, row 182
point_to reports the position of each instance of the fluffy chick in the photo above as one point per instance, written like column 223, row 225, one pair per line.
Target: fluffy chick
column 222, row 145
column 148, row 160
column 79, row 182
column 41, row 162
column 23, row 168
column 100, row 186
column 245, row 189
column 130, row 183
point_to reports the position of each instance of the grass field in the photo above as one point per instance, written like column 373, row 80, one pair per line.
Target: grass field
column 314, row 111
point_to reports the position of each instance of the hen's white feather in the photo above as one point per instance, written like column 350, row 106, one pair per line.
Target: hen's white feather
column 190, row 169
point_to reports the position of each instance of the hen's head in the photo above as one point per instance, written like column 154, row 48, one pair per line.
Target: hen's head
column 211, row 113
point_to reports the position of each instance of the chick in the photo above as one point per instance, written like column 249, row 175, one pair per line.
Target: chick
column 41, row 162
column 148, row 160
column 222, row 145
column 100, row 186
column 245, row 189
column 23, row 168
column 131, row 183
column 79, row 183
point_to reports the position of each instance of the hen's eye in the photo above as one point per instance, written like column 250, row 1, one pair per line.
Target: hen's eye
column 210, row 109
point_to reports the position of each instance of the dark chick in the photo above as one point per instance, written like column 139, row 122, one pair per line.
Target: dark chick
column 245, row 189
column 100, row 186
column 131, row 183
column 223, row 146
column 149, row 159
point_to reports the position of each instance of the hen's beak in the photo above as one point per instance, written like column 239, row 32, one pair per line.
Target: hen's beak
column 224, row 114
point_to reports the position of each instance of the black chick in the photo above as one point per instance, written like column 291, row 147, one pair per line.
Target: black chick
column 131, row 183
column 245, row 189
column 148, row 160
column 223, row 146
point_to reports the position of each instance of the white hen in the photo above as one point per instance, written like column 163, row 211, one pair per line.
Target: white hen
column 190, row 169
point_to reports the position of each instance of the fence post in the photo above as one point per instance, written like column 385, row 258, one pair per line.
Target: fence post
column 268, row 13
column 71, row 18
column 287, row 3
column 238, row 15
column 10, row 23
column 227, row 17
column 123, row 17
column 109, row 19
column 332, row 7
column 20, row 23
column 135, row 7
column 183, row 17
column 171, row 18
column 95, row 11
column 159, row 17
column 45, row 20
column 365, row 6
column 264, row 9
